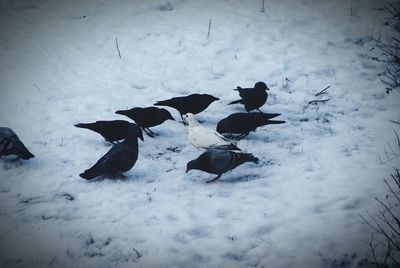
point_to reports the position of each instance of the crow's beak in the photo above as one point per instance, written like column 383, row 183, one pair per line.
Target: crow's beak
column 187, row 170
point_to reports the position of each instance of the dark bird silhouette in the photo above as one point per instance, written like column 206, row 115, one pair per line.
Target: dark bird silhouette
column 147, row 117
column 219, row 161
column 10, row 144
column 252, row 98
column 244, row 123
column 119, row 159
column 194, row 103
column 112, row 131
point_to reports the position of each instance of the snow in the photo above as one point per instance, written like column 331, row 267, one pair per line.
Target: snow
column 298, row 208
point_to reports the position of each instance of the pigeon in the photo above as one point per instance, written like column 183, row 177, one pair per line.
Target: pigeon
column 147, row 117
column 252, row 98
column 194, row 103
column 10, row 144
column 119, row 159
column 219, row 161
column 244, row 123
column 112, row 131
column 205, row 138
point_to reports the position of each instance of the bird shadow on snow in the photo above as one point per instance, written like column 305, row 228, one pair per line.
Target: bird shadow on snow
column 10, row 162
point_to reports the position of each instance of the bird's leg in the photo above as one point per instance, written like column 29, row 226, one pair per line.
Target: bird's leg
column 215, row 179
column 242, row 136
column 259, row 110
column 148, row 132
column 151, row 132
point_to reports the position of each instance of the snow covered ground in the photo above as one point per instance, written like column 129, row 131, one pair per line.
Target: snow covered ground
column 297, row 208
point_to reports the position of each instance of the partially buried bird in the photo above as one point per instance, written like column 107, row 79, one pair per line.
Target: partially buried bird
column 252, row 98
column 10, row 144
column 194, row 103
column 202, row 137
column 147, row 117
column 244, row 123
column 219, row 161
column 111, row 131
column 119, row 159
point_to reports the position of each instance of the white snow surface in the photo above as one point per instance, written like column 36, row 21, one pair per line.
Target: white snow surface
column 297, row 208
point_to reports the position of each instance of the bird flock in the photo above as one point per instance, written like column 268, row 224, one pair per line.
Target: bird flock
column 221, row 154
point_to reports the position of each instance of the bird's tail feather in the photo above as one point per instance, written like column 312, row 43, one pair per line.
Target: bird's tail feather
column 162, row 103
column 89, row 174
column 121, row 112
column 269, row 116
column 236, row 101
column 229, row 147
column 26, row 154
column 83, row 125
column 275, row 122
column 247, row 158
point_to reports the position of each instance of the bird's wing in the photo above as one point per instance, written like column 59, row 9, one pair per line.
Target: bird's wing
column 200, row 136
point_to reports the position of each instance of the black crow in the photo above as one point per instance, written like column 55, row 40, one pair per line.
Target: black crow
column 119, row 159
column 10, row 144
column 219, row 161
column 194, row 103
column 243, row 123
column 147, row 117
column 252, row 98
column 112, row 131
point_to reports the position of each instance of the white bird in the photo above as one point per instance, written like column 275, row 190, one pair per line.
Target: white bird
column 205, row 138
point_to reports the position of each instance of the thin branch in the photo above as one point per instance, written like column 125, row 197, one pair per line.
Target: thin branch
column 390, row 211
column 323, row 91
column 396, row 122
column 116, row 44
column 391, row 189
column 209, row 28
column 316, row 101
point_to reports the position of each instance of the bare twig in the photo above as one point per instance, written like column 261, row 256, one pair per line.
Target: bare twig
column 116, row 44
column 37, row 87
column 317, row 101
column 323, row 91
column 395, row 122
column 209, row 28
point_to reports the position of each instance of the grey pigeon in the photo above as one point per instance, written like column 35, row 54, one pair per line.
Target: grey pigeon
column 252, row 98
column 194, row 103
column 111, row 131
column 119, row 159
column 10, row 144
column 147, row 117
column 219, row 161
column 244, row 123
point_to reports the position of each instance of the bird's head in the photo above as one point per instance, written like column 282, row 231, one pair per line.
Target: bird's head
column 210, row 98
column 222, row 126
column 192, row 165
column 167, row 115
column 134, row 132
column 261, row 85
column 190, row 119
